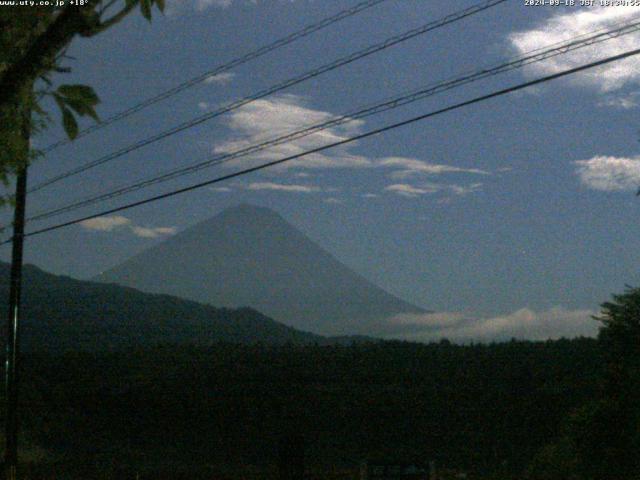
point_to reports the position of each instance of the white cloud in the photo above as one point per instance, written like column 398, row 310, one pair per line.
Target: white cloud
column 610, row 173
column 269, row 118
column 145, row 232
column 554, row 323
column 370, row 195
column 203, row 106
column 220, row 189
column 108, row 224
column 561, row 27
column 105, row 224
column 410, row 166
column 412, row 191
column 204, row 4
column 220, row 78
column 463, row 189
column 282, row 187
column 407, row 190
column 624, row 102
column 332, row 200
column 176, row 7
column 226, row 3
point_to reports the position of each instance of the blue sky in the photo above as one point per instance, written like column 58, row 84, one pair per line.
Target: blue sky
column 516, row 216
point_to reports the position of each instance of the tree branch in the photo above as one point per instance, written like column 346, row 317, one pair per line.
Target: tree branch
column 113, row 20
column 39, row 56
column 107, row 6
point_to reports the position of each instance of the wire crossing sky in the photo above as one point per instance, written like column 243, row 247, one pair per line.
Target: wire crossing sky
column 342, row 142
column 308, row 30
column 388, row 43
column 535, row 56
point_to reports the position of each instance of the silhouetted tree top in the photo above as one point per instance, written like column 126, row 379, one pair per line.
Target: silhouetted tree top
column 620, row 331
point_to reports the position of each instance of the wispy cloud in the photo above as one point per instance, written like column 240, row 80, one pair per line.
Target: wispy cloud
column 268, row 118
column 220, row 78
column 177, row 6
column 118, row 222
column 407, row 167
column 105, row 224
column 292, row 188
column 524, row 323
column 610, row 173
column 228, row 3
column 204, row 4
column 463, row 189
column 579, row 21
column 414, row 191
column 144, row 232
column 623, row 102
column 407, row 190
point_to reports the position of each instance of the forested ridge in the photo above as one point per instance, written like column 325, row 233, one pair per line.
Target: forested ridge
column 61, row 313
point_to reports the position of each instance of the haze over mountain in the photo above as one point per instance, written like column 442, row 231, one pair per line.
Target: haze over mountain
column 250, row 256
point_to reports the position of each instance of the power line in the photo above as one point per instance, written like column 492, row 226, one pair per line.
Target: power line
column 370, row 133
column 308, row 30
column 534, row 56
column 451, row 18
column 277, row 87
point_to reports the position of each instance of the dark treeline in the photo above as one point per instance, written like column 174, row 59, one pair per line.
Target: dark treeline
column 483, row 409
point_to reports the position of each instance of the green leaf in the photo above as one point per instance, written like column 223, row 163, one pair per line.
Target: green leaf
column 160, row 4
column 70, row 124
column 145, row 8
column 80, row 98
column 78, row 106
column 83, row 93
column 59, row 100
column 81, row 108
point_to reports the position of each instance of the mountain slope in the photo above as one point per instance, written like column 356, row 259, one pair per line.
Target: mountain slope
column 250, row 256
column 60, row 313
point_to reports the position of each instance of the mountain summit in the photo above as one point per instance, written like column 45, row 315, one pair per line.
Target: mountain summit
column 251, row 256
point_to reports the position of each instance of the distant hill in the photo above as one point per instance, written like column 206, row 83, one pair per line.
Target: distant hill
column 61, row 313
column 250, row 256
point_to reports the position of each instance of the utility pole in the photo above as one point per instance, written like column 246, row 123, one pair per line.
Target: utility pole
column 12, row 339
